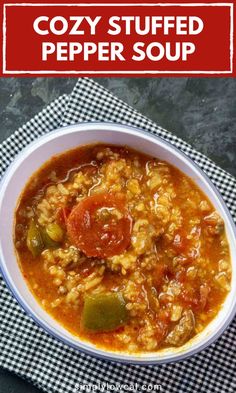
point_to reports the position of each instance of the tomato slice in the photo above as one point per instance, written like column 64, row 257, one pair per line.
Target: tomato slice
column 100, row 225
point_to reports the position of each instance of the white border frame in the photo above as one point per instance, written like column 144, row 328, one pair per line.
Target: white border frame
column 151, row 72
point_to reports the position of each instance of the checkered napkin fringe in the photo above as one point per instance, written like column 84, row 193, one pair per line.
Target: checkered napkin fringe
column 54, row 367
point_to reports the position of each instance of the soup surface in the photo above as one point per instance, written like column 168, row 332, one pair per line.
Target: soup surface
column 122, row 249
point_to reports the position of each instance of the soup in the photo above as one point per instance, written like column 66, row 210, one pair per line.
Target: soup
column 122, row 249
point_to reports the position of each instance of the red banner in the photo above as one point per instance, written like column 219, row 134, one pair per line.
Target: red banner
column 118, row 39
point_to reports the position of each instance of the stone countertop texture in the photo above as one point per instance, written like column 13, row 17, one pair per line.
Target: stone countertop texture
column 202, row 111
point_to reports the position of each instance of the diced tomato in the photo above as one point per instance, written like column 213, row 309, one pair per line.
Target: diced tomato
column 163, row 316
column 159, row 274
column 62, row 215
column 100, row 235
column 180, row 276
column 66, row 212
column 196, row 297
column 162, row 324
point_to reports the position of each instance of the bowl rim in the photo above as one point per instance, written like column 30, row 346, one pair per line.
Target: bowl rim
column 81, row 346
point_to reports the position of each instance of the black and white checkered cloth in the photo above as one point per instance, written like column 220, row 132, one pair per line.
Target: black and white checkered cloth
column 54, row 367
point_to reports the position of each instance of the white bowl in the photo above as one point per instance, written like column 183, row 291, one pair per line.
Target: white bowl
column 31, row 158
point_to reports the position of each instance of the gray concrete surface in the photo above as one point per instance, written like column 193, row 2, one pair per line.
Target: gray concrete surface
column 200, row 110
